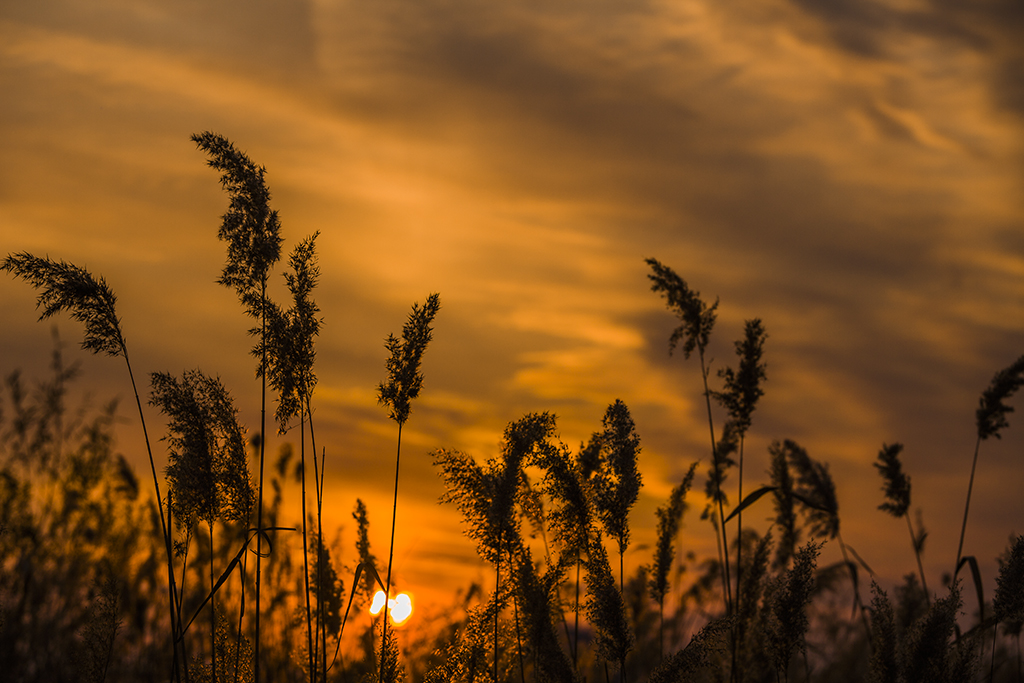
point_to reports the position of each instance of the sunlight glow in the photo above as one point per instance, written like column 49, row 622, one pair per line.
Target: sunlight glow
column 400, row 607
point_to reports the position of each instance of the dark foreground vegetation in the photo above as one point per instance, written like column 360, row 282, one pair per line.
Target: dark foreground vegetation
column 214, row 574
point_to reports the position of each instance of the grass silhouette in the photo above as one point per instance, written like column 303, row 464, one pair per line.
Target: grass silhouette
column 100, row 582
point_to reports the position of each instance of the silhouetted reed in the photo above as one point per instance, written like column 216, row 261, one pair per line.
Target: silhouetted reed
column 252, row 232
column 402, row 386
column 897, row 499
column 990, row 418
column 207, row 470
column 742, row 390
column 291, row 340
column 697, row 319
column 669, row 518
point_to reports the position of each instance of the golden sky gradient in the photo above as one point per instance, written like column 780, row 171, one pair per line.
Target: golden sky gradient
column 851, row 173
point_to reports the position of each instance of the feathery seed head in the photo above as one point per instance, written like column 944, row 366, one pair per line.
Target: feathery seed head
column 207, row 468
column 617, row 484
column 669, row 518
column 785, row 513
column 743, row 387
column 897, row 484
column 697, row 317
column 1009, row 600
column 250, row 227
column 816, row 490
column 404, row 379
column 290, row 335
column 66, row 287
column 992, row 411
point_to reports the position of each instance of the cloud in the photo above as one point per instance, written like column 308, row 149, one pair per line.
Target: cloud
column 848, row 172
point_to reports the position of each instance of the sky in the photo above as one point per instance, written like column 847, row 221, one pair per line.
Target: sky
column 851, row 173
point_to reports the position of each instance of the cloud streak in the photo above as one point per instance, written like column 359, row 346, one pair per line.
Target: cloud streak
column 849, row 172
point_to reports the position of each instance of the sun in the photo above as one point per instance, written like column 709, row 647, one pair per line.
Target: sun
column 399, row 607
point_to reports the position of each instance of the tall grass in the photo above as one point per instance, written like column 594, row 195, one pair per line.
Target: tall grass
column 69, row 288
column 397, row 393
column 84, row 559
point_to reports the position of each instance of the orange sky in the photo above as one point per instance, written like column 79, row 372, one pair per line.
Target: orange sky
column 851, row 175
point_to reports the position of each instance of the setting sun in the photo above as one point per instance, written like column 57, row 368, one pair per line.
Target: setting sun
column 400, row 607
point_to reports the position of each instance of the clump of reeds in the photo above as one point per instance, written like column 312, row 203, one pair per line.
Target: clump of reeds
column 68, row 288
column 207, row 470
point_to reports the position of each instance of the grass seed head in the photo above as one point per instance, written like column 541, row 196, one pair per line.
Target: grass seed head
column 66, row 287
column 897, row 484
column 992, row 409
column 403, row 367
column 697, row 317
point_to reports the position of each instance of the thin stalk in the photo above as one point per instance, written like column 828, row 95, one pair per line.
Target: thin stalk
column 213, row 612
column 263, row 450
column 305, row 546
column 967, row 506
column 171, row 589
column 856, row 591
column 992, row 659
column 519, row 639
column 241, row 612
column 391, row 552
column 718, row 494
column 319, row 483
column 497, row 587
column 737, row 674
column 661, row 629
column 622, row 593
column 576, row 627
column 917, row 553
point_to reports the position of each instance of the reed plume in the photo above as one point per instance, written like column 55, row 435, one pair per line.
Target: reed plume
column 990, row 418
column 697, row 320
column 897, row 498
column 740, row 396
column 252, row 232
column 785, row 509
column 669, row 518
column 207, row 470
column 402, row 386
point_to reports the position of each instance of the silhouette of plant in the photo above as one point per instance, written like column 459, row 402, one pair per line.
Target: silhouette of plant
column 669, row 518
column 785, row 511
column 1008, row 603
column 897, row 498
column 697, row 319
column 252, row 232
column 991, row 419
column 402, row 386
column 207, row 470
column 740, row 397
column 291, row 357
column 785, row 608
column 66, row 287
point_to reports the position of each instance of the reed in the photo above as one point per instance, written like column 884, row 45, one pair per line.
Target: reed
column 69, row 288
column 402, row 386
column 252, row 232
